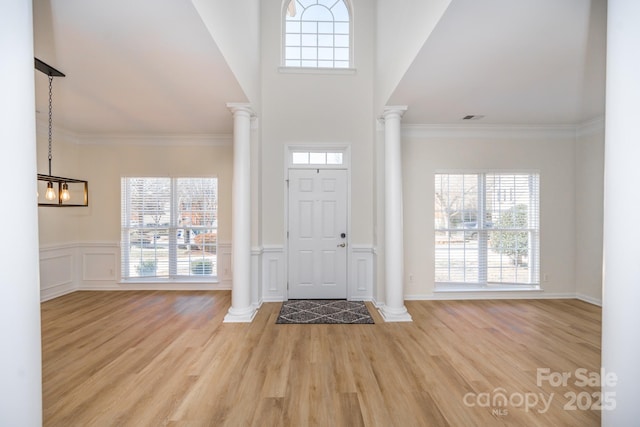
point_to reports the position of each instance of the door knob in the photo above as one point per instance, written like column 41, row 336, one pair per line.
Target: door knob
column 342, row 245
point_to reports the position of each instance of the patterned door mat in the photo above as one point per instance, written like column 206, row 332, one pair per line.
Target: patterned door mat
column 315, row 311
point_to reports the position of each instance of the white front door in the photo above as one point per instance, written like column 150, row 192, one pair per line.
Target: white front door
column 317, row 233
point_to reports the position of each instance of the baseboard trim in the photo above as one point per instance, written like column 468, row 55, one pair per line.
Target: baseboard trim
column 590, row 300
column 488, row 296
column 158, row 287
column 256, row 306
column 376, row 303
column 47, row 296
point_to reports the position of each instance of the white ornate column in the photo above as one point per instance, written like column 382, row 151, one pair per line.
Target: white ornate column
column 393, row 309
column 20, row 352
column 241, row 309
column 621, row 290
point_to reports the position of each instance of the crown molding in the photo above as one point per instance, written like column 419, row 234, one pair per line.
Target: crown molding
column 42, row 129
column 489, row 131
column 214, row 140
column 590, row 127
column 486, row 131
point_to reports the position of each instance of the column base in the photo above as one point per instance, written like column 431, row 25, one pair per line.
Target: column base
column 244, row 315
column 395, row 314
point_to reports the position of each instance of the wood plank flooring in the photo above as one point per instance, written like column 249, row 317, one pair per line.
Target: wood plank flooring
column 166, row 359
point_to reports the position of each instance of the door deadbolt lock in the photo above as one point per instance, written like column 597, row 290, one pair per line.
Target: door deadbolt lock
column 343, row 235
column 342, row 245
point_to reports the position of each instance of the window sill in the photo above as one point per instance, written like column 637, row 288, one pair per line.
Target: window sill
column 490, row 288
column 313, row 70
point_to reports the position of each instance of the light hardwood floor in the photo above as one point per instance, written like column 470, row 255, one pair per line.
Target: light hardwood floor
column 166, row 358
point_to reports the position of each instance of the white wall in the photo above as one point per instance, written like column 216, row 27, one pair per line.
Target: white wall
column 399, row 37
column 105, row 164
column 337, row 108
column 317, row 108
column 547, row 150
column 235, row 27
column 620, row 314
column 589, row 211
column 20, row 354
column 79, row 246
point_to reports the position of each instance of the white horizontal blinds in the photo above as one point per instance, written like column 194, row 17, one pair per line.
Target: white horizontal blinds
column 512, row 206
column 161, row 221
column 317, row 34
column 198, row 225
column 487, row 228
column 146, row 219
column 456, row 250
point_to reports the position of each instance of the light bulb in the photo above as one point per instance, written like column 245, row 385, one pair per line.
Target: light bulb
column 50, row 194
column 64, row 194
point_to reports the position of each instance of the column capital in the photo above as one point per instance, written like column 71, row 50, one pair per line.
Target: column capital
column 393, row 110
column 241, row 107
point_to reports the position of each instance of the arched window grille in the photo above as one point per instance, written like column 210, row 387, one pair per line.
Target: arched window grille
column 317, row 34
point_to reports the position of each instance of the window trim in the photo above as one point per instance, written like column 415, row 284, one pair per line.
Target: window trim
column 485, row 285
column 288, row 69
column 310, row 70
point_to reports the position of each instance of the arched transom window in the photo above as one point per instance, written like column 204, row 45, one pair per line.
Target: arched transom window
column 317, row 34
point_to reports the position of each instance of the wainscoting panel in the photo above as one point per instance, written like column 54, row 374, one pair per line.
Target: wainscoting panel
column 274, row 285
column 361, row 274
column 225, row 269
column 100, row 265
column 274, row 278
column 57, row 271
column 95, row 266
column 256, row 277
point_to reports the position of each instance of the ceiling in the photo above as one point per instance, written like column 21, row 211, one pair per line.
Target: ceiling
column 514, row 62
column 131, row 72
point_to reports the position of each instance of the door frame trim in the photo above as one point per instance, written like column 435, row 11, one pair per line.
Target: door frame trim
column 346, row 165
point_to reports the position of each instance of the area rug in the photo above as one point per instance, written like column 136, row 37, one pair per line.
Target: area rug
column 315, row 311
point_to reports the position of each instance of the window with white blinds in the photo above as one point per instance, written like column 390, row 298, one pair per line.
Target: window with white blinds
column 487, row 228
column 169, row 228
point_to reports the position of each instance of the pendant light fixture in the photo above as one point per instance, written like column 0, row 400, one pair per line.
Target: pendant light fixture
column 80, row 188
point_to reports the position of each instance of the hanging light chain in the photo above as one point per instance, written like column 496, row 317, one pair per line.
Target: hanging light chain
column 64, row 194
column 50, row 119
